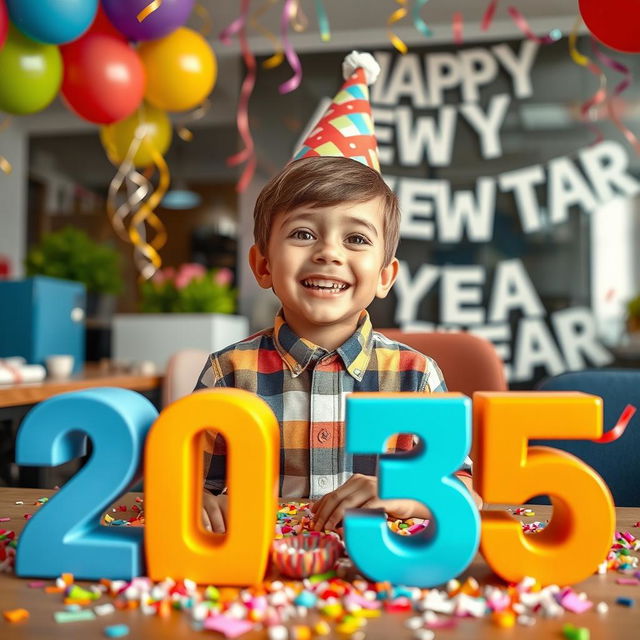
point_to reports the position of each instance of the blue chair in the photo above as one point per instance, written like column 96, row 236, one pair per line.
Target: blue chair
column 617, row 462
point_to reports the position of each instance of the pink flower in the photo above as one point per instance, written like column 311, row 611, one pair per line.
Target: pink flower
column 162, row 275
column 223, row 276
column 187, row 273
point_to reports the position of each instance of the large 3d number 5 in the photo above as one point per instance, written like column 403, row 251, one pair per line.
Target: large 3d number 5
column 447, row 546
column 579, row 534
column 65, row 533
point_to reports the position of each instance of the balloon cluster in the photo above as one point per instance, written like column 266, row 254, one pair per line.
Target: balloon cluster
column 119, row 64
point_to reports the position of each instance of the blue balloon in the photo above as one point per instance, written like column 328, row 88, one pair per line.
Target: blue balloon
column 52, row 21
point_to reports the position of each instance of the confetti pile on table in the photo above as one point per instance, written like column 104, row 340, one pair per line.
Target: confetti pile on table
column 322, row 603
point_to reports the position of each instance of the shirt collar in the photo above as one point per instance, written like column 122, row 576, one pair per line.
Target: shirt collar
column 298, row 353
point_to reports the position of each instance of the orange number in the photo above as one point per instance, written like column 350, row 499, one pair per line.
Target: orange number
column 579, row 534
column 176, row 542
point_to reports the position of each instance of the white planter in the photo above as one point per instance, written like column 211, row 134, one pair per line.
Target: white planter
column 157, row 336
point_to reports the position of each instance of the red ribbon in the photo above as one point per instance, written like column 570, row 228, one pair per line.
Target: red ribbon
column 523, row 25
column 292, row 58
column 621, row 87
column 457, row 26
column 619, row 429
column 487, row 18
column 248, row 154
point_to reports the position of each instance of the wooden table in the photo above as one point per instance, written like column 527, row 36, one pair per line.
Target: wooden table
column 17, row 399
column 620, row 623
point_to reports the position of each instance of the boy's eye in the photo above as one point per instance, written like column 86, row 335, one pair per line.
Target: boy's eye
column 357, row 238
column 302, row 234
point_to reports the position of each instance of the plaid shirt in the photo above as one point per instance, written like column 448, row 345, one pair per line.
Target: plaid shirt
column 306, row 386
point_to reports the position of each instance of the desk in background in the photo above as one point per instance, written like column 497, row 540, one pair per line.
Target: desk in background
column 620, row 623
column 16, row 400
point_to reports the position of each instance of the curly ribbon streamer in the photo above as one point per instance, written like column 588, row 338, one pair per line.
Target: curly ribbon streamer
column 622, row 86
column 487, row 18
column 278, row 56
column 620, row 426
column 197, row 114
column 396, row 16
column 5, row 165
column 292, row 57
column 146, row 254
column 207, row 22
column 248, row 154
column 299, row 20
column 588, row 110
column 146, row 215
column 553, row 36
column 457, row 27
column 418, row 22
column 323, row 20
column 148, row 10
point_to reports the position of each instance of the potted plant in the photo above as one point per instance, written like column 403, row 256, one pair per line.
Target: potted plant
column 70, row 254
column 187, row 307
column 633, row 317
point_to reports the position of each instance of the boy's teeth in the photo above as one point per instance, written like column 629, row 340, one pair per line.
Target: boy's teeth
column 324, row 284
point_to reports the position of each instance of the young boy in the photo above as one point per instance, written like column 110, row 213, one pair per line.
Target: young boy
column 326, row 231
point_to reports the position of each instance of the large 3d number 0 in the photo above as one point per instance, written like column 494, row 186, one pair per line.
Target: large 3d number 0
column 65, row 533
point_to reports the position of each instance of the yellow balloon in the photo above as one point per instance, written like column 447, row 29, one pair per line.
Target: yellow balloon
column 155, row 135
column 181, row 70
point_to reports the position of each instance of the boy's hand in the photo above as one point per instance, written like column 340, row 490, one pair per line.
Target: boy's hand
column 361, row 491
column 214, row 512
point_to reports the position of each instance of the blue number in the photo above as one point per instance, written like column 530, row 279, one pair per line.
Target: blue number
column 65, row 535
column 440, row 552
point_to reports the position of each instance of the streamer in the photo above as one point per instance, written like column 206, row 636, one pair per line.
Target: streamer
column 292, row 58
column 396, row 16
column 418, row 22
column 149, row 9
column 588, row 109
column 553, row 36
column 278, row 56
column 323, row 20
column 487, row 18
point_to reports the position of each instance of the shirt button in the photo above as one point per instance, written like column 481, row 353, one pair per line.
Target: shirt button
column 297, row 368
column 323, row 435
column 357, row 371
column 322, row 482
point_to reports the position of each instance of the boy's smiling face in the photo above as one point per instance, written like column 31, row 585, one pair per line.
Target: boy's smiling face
column 326, row 266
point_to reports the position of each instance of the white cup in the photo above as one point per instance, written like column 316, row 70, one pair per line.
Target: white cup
column 59, row 366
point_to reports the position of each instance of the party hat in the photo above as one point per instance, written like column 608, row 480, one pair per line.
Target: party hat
column 346, row 127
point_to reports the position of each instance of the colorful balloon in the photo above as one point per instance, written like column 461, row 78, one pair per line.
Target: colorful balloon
column 53, row 21
column 30, row 74
column 614, row 23
column 170, row 15
column 181, row 70
column 104, row 79
column 4, row 22
column 155, row 136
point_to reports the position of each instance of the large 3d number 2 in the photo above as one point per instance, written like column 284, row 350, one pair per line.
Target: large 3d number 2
column 443, row 424
column 65, row 535
column 174, row 479
column 579, row 534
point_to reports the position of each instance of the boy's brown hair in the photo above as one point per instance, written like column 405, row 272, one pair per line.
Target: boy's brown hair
column 321, row 181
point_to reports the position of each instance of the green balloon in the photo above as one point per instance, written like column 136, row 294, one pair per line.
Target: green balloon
column 30, row 74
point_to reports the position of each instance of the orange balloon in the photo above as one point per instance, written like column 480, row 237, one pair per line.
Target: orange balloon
column 173, row 479
column 181, row 70
column 578, row 537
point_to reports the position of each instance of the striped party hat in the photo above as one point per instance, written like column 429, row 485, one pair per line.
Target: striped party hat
column 346, row 127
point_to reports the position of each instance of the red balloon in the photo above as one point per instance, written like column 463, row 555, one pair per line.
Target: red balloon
column 104, row 79
column 614, row 23
column 4, row 22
